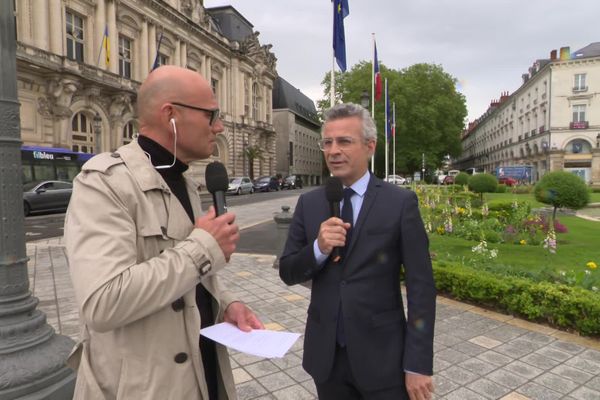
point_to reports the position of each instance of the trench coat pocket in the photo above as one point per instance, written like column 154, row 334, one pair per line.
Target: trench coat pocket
column 386, row 318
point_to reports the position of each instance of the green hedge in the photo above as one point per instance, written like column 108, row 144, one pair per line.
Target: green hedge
column 558, row 305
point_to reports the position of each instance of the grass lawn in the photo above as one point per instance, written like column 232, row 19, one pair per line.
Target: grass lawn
column 491, row 198
column 575, row 248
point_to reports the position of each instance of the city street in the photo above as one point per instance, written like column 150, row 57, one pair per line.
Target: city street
column 44, row 226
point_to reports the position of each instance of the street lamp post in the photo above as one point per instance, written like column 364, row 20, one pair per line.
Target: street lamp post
column 364, row 99
column 32, row 356
column 423, row 168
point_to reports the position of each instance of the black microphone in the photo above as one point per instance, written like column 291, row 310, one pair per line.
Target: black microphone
column 217, row 183
column 334, row 191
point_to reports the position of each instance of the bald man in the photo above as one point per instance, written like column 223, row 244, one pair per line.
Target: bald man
column 143, row 256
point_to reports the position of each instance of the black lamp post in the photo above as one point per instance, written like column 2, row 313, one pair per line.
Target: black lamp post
column 598, row 141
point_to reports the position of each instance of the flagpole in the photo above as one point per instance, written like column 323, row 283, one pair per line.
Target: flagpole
column 386, row 130
column 332, row 89
column 394, row 142
column 373, row 99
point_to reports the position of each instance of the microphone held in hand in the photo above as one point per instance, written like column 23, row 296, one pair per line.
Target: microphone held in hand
column 217, row 183
column 334, row 192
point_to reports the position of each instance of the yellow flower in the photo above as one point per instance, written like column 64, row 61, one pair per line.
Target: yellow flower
column 523, row 242
column 440, row 230
column 591, row 265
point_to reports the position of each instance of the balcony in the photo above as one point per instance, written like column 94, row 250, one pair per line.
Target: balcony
column 580, row 89
column 579, row 125
column 542, row 129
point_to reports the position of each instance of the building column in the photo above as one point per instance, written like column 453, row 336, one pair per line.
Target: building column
column 40, row 25
column 113, row 36
column 596, row 166
column 100, row 22
column 556, row 161
column 142, row 61
column 151, row 46
column 23, row 34
column 183, row 54
column 177, row 53
column 56, row 27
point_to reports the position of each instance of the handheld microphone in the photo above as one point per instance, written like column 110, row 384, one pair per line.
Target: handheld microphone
column 334, row 192
column 217, row 183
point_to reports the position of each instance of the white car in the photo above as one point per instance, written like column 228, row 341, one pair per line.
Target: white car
column 240, row 185
column 396, row 179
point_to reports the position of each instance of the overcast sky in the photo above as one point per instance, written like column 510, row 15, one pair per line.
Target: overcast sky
column 486, row 45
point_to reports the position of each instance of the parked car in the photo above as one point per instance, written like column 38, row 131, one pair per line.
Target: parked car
column 396, row 179
column 266, row 184
column 292, row 182
column 46, row 196
column 507, row 180
column 240, row 185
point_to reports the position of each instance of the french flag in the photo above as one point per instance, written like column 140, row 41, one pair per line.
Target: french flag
column 377, row 76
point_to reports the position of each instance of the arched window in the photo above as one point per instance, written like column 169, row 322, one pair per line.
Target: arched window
column 129, row 131
column 579, row 146
column 82, row 133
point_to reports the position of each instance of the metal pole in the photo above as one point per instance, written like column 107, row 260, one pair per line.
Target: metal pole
column 32, row 357
column 373, row 99
column 423, row 168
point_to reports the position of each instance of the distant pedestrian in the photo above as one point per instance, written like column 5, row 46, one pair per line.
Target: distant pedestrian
column 143, row 256
column 358, row 343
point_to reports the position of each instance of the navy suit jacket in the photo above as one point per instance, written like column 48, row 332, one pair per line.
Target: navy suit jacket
column 380, row 342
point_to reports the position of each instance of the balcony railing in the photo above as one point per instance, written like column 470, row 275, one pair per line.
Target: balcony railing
column 580, row 89
column 579, row 125
column 542, row 129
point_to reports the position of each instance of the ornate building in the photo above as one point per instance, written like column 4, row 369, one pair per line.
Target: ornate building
column 80, row 63
column 298, row 133
column 552, row 122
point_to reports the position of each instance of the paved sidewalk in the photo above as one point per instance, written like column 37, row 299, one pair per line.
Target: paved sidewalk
column 478, row 354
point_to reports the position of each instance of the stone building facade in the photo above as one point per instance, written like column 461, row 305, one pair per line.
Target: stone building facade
column 80, row 63
column 552, row 122
column 298, row 132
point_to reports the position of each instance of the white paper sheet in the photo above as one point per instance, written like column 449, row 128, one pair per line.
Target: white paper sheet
column 258, row 342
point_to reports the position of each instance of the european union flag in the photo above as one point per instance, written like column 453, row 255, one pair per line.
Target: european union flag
column 340, row 11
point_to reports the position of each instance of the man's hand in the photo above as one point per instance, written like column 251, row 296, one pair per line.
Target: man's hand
column 419, row 387
column 222, row 228
column 332, row 234
column 241, row 316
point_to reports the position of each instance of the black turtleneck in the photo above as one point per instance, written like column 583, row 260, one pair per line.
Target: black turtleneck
column 173, row 176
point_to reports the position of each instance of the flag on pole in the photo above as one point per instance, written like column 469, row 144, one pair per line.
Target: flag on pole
column 156, row 58
column 377, row 76
column 394, row 121
column 106, row 44
column 340, row 11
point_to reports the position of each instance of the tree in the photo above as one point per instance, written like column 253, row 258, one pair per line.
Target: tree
column 429, row 112
column 483, row 183
column 562, row 189
column 462, row 179
column 253, row 153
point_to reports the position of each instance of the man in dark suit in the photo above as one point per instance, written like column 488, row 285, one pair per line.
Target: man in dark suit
column 358, row 343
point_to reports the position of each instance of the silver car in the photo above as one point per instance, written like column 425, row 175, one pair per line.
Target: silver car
column 46, row 196
column 240, row 185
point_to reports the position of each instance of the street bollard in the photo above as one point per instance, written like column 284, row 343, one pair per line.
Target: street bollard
column 283, row 220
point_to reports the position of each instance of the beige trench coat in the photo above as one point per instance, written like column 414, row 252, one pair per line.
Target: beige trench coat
column 134, row 254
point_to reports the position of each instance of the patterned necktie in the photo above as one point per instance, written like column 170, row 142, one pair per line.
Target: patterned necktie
column 348, row 214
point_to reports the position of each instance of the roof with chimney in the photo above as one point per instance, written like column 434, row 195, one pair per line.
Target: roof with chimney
column 287, row 96
column 591, row 50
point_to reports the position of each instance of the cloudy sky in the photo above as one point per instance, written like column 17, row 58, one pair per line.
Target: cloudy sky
column 486, row 45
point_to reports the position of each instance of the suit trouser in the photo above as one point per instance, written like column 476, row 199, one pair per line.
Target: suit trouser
column 342, row 385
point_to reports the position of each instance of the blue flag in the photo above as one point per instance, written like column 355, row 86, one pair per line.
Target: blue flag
column 340, row 11
column 157, row 59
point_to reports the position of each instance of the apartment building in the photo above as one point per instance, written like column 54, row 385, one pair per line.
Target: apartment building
column 551, row 122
